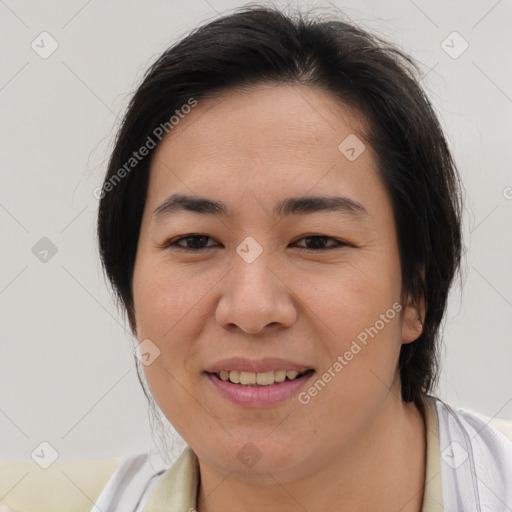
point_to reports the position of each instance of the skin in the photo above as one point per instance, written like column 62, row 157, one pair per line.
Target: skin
column 355, row 446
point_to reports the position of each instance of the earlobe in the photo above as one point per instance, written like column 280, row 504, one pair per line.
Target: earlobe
column 412, row 321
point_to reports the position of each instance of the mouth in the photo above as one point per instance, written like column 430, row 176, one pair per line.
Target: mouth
column 259, row 389
column 260, row 379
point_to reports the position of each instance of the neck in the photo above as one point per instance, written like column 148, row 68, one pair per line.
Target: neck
column 384, row 470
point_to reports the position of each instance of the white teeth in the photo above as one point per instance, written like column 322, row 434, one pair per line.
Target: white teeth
column 264, row 379
column 279, row 375
column 247, row 378
column 260, row 379
column 234, row 376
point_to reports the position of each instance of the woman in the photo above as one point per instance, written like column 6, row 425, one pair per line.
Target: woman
column 280, row 220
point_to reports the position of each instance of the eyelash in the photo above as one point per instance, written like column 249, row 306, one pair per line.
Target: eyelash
column 173, row 244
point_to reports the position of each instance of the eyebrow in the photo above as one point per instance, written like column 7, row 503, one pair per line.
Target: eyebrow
column 289, row 206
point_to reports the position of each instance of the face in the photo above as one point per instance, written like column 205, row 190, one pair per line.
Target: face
column 241, row 285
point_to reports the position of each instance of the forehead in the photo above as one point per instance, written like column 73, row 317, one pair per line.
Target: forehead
column 266, row 135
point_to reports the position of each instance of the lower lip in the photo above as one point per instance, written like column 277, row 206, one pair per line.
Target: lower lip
column 261, row 396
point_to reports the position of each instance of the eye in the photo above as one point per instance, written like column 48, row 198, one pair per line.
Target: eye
column 318, row 242
column 195, row 242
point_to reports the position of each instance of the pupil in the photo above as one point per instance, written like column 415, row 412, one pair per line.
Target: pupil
column 317, row 241
column 196, row 241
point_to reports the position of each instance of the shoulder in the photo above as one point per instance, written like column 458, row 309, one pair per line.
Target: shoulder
column 472, row 421
column 503, row 426
column 64, row 486
column 483, row 433
column 476, row 457
column 131, row 483
column 481, row 425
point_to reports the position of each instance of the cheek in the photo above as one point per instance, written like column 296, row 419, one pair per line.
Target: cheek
column 172, row 307
column 363, row 318
column 359, row 372
column 172, row 391
column 354, row 299
column 167, row 311
column 164, row 299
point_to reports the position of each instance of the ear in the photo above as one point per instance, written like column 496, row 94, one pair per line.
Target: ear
column 412, row 320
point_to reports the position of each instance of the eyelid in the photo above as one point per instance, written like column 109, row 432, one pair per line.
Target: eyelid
column 339, row 243
column 173, row 243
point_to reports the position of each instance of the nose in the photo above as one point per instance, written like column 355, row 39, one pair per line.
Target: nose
column 255, row 297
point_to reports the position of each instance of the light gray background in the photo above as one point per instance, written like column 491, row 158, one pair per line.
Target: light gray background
column 67, row 374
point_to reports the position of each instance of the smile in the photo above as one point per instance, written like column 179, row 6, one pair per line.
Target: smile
column 261, row 378
column 258, row 390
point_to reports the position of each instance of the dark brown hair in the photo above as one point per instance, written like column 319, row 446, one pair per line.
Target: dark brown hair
column 256, row 45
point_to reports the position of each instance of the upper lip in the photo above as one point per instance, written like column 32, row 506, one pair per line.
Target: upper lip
column 255, row 365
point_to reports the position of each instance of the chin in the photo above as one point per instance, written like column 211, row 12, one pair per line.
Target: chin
column 257, row 457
